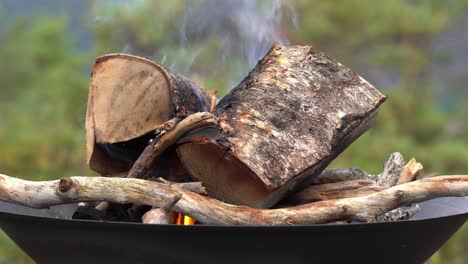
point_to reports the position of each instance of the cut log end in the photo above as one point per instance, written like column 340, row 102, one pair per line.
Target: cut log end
column 223, row 175
column 124, row 88
column 129, row 98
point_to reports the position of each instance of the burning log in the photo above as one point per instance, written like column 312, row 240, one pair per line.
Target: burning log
column 211, row 211
column 280, row 127
column 129, row 98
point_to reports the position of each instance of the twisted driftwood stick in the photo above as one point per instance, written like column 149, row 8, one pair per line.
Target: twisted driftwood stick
column 336, row 190
column 161, row 215
column 354, row 182
column 167, row 134
column 210, row 211
column 175, row 129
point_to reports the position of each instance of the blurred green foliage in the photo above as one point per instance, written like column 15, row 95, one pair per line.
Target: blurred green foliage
column 44, row 83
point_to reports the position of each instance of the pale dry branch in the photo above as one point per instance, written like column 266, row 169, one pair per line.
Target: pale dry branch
column 162, row 143
column 210, row 211
column 161, row 215
column 388, row 177
column 336, row 190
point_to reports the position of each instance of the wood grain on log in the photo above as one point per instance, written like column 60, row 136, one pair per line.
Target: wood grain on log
column 129, row 97
column 282, row 125
column 211, row 211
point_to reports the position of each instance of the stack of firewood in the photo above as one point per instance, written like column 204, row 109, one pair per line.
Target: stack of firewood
column 170, row 149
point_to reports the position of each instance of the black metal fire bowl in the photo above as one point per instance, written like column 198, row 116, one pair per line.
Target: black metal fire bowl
column 49, row 237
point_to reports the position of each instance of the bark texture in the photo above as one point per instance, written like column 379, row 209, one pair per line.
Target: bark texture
column 129, row 97
column 211, row 211
column 282, row 125
column 390, row 175
column 399, row 214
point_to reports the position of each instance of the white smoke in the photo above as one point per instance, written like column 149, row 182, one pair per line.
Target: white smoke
column 247, row 29
column 240, row 33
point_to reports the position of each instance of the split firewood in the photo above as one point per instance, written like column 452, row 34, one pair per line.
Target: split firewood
column 280, row 127
column 393, row 167
column 410, row 171
column 130, row 97
column 211, row 211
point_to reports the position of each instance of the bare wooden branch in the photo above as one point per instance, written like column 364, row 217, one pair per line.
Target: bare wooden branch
column 421, row 176
column 161, row 215
column 210, row 211
column 410, row 171
column 157, row 148
column 156, row 216
column 196, row 187
column 214, row 100
column 337, row 190
column 340, row 175
column 401, row 213
column 389, row 176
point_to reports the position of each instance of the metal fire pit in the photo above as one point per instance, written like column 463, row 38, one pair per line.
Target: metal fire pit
column 49, row 237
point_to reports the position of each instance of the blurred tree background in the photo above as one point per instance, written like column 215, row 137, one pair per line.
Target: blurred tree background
column 416, row 51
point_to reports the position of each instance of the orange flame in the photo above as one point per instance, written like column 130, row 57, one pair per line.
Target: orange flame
column 184, row 220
